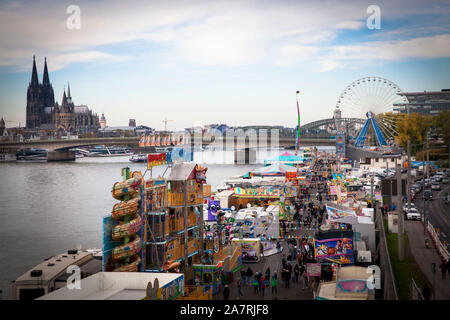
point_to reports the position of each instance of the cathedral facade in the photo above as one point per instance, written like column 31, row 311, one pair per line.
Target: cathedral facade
column 44, row 113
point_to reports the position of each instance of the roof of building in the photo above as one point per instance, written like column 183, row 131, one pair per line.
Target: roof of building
column 114, row 286
column 124, row 128
column 81, row 109
column 181, row 171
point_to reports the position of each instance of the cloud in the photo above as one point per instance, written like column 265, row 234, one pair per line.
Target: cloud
column 288, row 55
column 423, row 48
column 329, row 65
column 205, row 33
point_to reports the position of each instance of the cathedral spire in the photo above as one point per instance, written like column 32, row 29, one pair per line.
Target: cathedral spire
column 45, row 81
column 68, row 89
column 34, row 76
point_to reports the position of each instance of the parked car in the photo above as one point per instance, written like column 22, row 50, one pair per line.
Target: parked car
column 435, row 186
column 427, row 183
column 435, row 179
column 445, row 180
column 413, row 214
column 405, row 207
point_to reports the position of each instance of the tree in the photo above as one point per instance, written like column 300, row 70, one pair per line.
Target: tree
column 414, row 127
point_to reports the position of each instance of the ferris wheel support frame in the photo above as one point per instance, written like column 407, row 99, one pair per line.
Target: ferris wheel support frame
column 362, row 136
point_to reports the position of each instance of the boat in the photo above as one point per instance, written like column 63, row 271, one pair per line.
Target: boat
column 104, row 151
column 139, row 158
column 8, row 157
column 80, row 153
column 33, row 154
column 51, row 274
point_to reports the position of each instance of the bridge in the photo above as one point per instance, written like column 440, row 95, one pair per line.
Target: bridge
column 336, row 122
column 63, row 144
column 59, row 149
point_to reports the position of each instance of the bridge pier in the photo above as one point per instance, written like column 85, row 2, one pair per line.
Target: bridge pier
column 63, row 155
column 245, row 156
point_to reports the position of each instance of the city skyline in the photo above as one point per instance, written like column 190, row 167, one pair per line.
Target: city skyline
column 238, row 63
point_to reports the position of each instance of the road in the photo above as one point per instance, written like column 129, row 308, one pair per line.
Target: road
column 438, row 212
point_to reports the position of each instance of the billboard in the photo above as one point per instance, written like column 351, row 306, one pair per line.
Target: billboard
column 337, row 250
column 335, row 213
column 251, row 249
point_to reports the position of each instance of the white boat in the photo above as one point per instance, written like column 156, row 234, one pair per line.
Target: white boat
column 104, row 151
column 51, row 274
column 33, row 154
column 8, row 157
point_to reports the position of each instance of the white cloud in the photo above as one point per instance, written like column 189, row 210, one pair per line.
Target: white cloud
column 294, row 53
column 329, row 65
column 205, row 32
column 426, row 47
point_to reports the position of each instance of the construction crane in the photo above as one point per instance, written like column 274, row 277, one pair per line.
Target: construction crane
column 165, row 123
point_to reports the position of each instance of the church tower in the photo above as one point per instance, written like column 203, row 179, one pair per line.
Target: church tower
column 33, row 100
column 48, row 98
column 40, row 99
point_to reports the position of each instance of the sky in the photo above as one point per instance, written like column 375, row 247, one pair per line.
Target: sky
column 233, row 62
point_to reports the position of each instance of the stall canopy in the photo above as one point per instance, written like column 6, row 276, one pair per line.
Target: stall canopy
column 285, row 158
column 276, row 169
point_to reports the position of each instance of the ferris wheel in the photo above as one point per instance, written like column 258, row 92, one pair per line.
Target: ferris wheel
column 372, row 98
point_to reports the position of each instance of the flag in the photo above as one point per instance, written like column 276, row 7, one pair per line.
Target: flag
column 297, row 142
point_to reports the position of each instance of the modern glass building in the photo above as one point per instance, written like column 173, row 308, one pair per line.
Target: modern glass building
column 426, row 103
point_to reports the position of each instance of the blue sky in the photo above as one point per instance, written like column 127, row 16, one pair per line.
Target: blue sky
column 234, row 62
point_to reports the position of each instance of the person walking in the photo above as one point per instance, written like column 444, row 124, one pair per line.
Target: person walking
column 262, row 285
column 274, row 284
column 296, row 273
column 226, row 292
column 261, row 248
column 243, row 277
column 238, row 285
column 267, row 274
column 304, row 277
column 278, row 246
column 255, row 284
column 249, row 275
column 288, row 275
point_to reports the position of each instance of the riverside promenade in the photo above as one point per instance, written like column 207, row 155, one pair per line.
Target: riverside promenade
column 424, row 257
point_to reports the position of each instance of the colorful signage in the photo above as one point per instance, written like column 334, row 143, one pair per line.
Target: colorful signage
column 335, row 213
column 338, row 250
column 156, row 160
column 265, row 192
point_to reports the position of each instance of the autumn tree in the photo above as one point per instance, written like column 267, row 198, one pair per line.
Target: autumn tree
column 414, row 127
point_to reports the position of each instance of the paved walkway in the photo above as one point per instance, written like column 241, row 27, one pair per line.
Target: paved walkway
column 425, row 256
column 294, row 292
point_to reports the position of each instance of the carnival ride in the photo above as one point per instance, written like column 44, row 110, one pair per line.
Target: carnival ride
column 371, row 98
column 127, row 212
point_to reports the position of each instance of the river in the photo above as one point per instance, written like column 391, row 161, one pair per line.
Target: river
column 48, row 208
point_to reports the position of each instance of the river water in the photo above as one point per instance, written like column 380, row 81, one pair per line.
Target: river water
column 48, row 208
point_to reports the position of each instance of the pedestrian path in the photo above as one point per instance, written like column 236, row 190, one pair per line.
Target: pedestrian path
column 424, row 257
column 294, row 292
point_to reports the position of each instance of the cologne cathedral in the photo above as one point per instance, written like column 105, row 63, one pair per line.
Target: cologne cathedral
column 44, row 113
